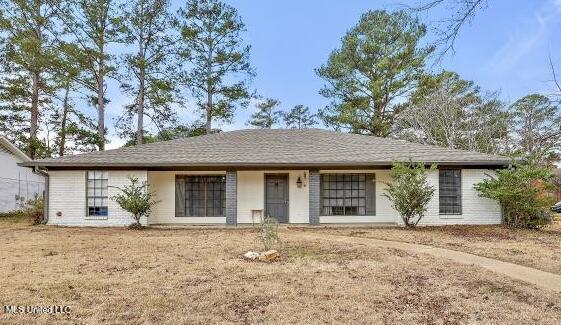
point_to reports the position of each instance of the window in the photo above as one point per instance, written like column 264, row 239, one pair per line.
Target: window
column 204, row 196
column 348, row 194
column 97, row 195
column 450, row 191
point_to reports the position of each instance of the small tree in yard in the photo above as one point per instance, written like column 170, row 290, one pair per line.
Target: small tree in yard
column 409, row 191
column 136, row 199
column 524, row 194
column 268, row 233
column 34, row 209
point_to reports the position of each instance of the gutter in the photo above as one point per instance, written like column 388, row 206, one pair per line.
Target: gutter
column 106, row 165
column 39, row 171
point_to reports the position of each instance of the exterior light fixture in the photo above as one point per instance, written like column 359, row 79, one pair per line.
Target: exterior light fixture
column 299, row 182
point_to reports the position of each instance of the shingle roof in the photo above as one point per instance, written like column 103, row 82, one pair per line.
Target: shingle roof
column 275, row 147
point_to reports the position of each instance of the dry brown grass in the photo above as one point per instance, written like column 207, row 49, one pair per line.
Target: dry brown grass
column 196, row 276
column 539, row 249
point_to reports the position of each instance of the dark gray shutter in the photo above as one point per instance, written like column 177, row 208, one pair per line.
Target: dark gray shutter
column 314, row 199
column 179, row 196
column 231, row 188
column 370, row 194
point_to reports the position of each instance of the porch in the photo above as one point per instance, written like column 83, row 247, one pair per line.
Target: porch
column 243, row 197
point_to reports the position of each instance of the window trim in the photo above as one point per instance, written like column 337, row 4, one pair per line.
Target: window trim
column 87, row 212
column 368, row 176
column 460, row 195
column 184, row 177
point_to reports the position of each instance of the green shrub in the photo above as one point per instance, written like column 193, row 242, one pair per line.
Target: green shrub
column 409, row 191
column 524, row 194
column 136, row 199
column 34, row 210
column 268, row 233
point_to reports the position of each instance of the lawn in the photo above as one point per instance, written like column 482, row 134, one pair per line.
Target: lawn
column 197, row 276
column 539, row 249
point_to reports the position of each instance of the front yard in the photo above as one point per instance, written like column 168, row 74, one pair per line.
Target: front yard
column 540, row 249
column 197, row 276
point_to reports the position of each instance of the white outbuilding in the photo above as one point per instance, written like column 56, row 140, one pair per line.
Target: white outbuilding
column 17, row 184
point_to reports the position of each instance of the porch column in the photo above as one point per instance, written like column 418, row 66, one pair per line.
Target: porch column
column 231, row 197
column 314, row 187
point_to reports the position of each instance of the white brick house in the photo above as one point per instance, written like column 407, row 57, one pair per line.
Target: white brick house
column 297, row 176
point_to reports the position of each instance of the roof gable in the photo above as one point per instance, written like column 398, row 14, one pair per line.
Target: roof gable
column 10, row 148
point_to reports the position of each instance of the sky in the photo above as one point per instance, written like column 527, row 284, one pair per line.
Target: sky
column 505, row 49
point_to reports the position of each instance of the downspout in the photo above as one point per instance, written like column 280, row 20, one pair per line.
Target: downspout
column 45, row 194
column 46, row 200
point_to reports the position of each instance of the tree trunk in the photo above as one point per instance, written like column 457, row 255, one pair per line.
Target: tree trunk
column 141, row 90
column 34, row 124
column 209, row 113
column 101, row 103
column 209, row 89
column 140, row 111
column 35, row 86
column 62, row 132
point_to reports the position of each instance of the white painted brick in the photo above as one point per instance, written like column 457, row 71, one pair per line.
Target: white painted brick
column 251, row 195
column 67, row 194
column 475, row 209
column 162, row 183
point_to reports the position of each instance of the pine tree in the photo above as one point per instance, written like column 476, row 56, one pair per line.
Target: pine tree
column 150, row 72
column 75, row 131
column 95, row 25
column 30, row 45
column 299, row 118
column 380, row 61
column 267, row 115
column 215, row 58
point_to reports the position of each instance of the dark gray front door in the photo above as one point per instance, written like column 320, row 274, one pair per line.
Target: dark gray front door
column 276, row 197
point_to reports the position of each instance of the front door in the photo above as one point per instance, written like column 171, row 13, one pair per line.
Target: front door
column 276, row 197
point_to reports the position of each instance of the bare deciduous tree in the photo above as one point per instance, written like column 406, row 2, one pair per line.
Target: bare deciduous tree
column 448, row 29
column 556, row 81
column 455, row 115
column 537, row 129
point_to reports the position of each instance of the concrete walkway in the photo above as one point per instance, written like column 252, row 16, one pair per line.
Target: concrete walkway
column 542, row 279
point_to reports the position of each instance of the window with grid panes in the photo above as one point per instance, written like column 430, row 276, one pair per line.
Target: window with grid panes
column 97, row 193
column 348, row 194
column 205, row 196
column 450, row 191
